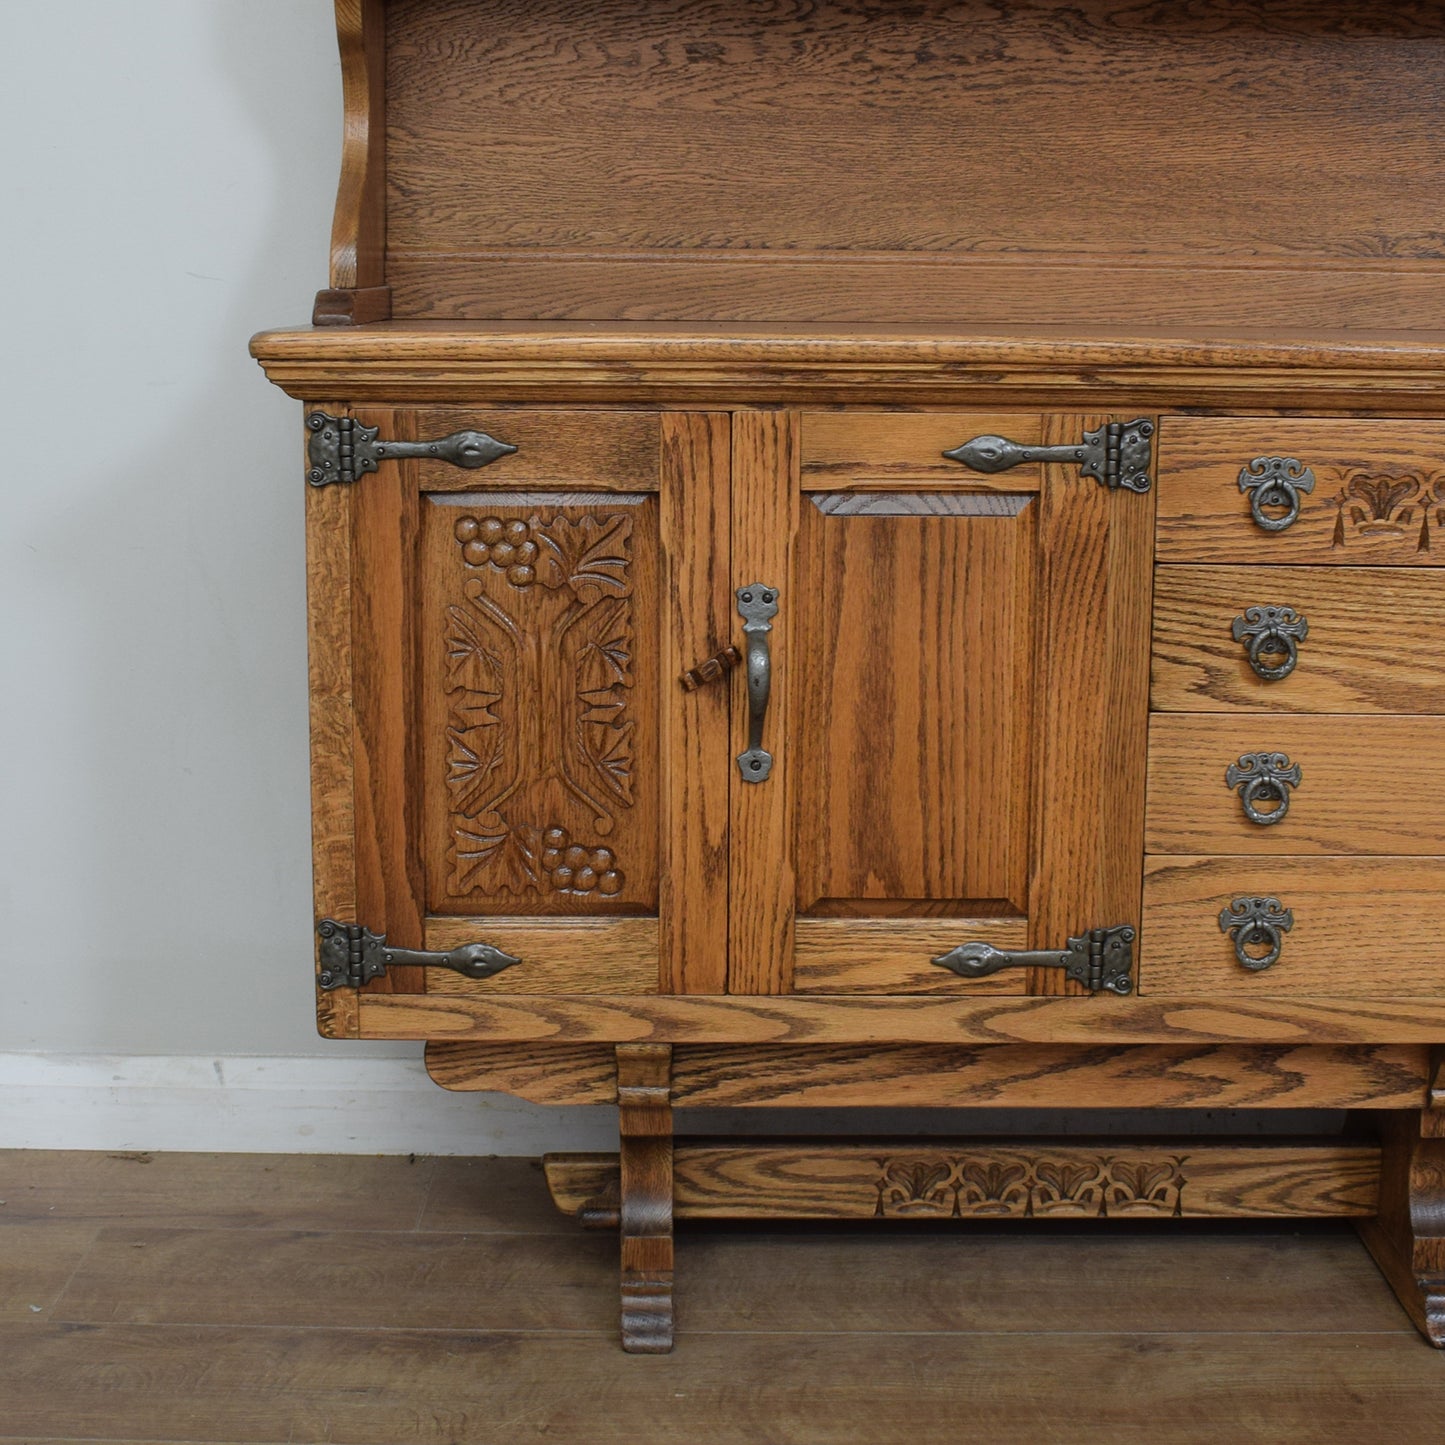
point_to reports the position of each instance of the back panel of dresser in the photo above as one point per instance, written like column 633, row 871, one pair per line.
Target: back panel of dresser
column 941, row 163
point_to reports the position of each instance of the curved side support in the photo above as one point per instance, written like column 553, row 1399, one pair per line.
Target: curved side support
column 1407, row 1236
column 644, row 1097
column 358, row 290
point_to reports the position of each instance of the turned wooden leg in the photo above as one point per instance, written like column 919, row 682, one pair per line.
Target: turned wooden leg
column 644, row 1082
column 1407, row 1237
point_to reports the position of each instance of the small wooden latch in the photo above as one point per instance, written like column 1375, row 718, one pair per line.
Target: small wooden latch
column 712, row 669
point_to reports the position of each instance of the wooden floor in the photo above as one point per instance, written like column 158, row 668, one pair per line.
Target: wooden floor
column 267, row 1298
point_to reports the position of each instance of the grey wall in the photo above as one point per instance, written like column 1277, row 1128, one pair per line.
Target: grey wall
column 169, row 176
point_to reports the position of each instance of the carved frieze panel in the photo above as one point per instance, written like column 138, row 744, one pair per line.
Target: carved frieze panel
column 540, row 735
column 1001, row 1183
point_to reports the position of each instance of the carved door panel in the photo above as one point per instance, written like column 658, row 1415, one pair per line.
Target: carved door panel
column 958, row 706
column 523, row 776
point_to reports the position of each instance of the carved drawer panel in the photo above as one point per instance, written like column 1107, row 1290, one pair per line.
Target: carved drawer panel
column 1363, row 640
column 1282, row 784
column 1282, row 490
column 1324, row 927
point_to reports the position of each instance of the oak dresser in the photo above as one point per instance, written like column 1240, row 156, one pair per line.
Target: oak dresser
column 889, row 554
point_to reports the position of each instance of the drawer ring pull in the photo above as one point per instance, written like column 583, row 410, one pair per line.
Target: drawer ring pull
column 1271, row 632
column 1254, row 923
column 1275, row 482
column 1263, row 778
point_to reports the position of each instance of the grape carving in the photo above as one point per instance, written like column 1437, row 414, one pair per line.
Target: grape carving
column 505, row 545
column 574, row 868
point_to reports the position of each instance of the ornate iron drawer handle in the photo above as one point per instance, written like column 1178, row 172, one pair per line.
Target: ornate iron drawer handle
column 1116, row 454
column 758, row 605
column 1271, row 632
column 1263, row 778
column 1100, row 959
column 352, row 955
column 1275, row 482
column 1256, row 922
column 341, row 449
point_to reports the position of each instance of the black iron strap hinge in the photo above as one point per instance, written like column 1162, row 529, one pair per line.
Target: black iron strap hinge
column 1117, row 454
column 352, row 955
column 341, row 449
column 1102, row 958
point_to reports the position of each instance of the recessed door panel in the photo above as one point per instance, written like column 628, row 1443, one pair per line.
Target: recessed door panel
column 914, row 619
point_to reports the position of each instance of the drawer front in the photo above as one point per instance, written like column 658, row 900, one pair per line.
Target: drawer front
column 1361, row 493
column 1374, row 641
column 1359, row 927
column 1350, row 784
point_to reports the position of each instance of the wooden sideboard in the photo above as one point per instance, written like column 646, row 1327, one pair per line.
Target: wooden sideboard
column 872, row 555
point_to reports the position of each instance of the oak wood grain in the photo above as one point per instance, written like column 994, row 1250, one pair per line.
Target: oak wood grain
column 1373, row 643
column 765, row 501
column 1367, row 785
column 917, row 1076
column 921, row 289
column 358, row 228
column 911, row 749
column 390, row 881
column 976, row 1179
column 696, row 757
column 1323, row 369
column 1363, row 927
column 559, row 955
column 895, row 955
column 713, row 128
column 1095, row 549
column 329, row 664
column 560, row 449
column 878, row 450
column 1378, row 496
column 1232, row 1016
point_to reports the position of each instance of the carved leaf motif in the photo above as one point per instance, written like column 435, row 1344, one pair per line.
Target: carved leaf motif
column 472, row 666
column 1065, row 1180
column 497, row 858
column 613, row 759
column 588, row 555
column 993, row 1182
column 1147, row 1181
column 914, row 1186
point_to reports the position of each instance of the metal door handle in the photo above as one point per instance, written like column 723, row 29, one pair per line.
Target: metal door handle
column 758, row 605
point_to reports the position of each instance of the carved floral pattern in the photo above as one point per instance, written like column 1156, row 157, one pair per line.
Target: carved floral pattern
column 580, row 651
column 1388, row 503
column 1010, row 1186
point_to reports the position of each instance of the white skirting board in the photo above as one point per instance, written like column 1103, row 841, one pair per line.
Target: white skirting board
column 368, row 1104
column 329, row 1105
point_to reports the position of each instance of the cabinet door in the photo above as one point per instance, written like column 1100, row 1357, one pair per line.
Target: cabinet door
column 503, row 753
column 958, row 705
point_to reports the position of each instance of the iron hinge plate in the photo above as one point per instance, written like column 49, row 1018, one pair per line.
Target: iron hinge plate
column 1101, row 959
column 1117, row 454
column 352, row 955
column 341, row 449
